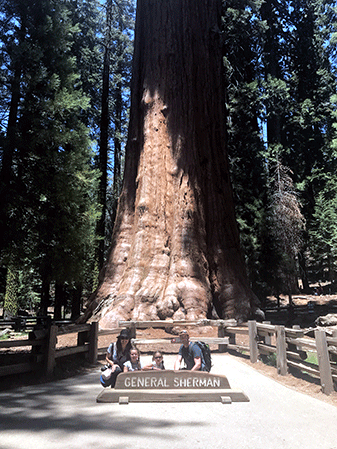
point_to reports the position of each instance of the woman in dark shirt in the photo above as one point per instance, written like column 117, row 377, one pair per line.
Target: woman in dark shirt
column 117, row 354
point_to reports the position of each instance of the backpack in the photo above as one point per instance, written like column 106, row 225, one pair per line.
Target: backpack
column 206, row 353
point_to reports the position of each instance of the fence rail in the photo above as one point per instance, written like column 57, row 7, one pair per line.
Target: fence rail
column 26, row 323
column 44, row 351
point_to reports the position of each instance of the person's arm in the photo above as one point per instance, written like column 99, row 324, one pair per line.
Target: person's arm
column 149, row 367
column 126, row 368
column 178, row 362
column 197, row 364
column 197, row 358
column 109, row 357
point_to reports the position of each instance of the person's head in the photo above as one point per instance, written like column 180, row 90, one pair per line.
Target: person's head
column 123, row 339
column 134, row 355
column 157, row 357
column 184, row 337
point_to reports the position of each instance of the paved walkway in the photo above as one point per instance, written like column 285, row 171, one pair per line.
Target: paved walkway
column 65, row 415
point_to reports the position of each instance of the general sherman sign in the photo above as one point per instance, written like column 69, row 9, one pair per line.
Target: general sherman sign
column 169, row 379
column 171, row 386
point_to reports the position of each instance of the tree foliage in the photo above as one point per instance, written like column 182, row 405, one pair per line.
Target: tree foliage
column 290, row 90
column 52, row 207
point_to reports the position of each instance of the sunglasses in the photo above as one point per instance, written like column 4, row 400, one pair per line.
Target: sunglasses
column 158, row 357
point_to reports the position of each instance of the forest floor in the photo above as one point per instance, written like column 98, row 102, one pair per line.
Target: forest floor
column 76, row 365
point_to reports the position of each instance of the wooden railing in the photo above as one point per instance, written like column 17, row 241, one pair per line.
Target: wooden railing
column 25, row 323
column 290, row 345
column 44, row 351
column 221, row 340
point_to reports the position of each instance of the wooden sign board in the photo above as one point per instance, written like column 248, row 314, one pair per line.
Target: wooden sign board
column 171, row 386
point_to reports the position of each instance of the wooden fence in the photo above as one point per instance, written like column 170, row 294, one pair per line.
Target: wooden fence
column 289, row 346
column 44, row 351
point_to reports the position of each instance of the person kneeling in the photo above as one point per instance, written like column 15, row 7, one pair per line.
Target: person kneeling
column 118, row 353
column 190, row 353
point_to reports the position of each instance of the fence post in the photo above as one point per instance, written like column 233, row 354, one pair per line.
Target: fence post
column 132, row 330
column 93, row 342
column 332, row 355
column 51, row 349
column 267, row 338
column 281, row 350
column 221, row 334
column 253, row 348
column 324, row 362
column 82, row 338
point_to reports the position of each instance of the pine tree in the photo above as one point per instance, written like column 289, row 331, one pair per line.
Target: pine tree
column 116, row 76
column 86, row 17
column 11, row 301
column 242, row 41
column 121, row 61
column 287, row 226
column 323, row 234
column 53, row 205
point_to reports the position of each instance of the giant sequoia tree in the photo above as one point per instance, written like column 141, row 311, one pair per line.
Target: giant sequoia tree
column 175, row 246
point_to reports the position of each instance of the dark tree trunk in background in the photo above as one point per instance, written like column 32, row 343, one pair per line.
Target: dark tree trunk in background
column 7, row 157
column 76, row 302
column 175, row 247
column 117, row 149
column 59, row 301
column 45, row 297
column 104, row 138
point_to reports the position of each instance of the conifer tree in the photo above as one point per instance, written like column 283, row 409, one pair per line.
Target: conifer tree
column 116, row 76
column 242, row 41
column 287, row 227
column 10, row 306
column 53, row 205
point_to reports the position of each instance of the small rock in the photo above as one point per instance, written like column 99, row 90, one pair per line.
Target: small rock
column 327, row 320
column 5, row 332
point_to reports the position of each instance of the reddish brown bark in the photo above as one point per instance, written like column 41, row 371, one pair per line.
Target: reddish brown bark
column 175, row 248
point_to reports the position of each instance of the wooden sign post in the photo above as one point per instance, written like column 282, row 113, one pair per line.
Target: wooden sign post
column 171, row 386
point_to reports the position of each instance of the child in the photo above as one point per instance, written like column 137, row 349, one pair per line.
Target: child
column 157, row 362
column 134, row 363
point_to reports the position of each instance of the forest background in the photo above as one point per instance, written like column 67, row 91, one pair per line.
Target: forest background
column 65, row 71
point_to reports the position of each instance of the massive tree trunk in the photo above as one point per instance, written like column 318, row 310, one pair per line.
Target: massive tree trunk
column 175, row 247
